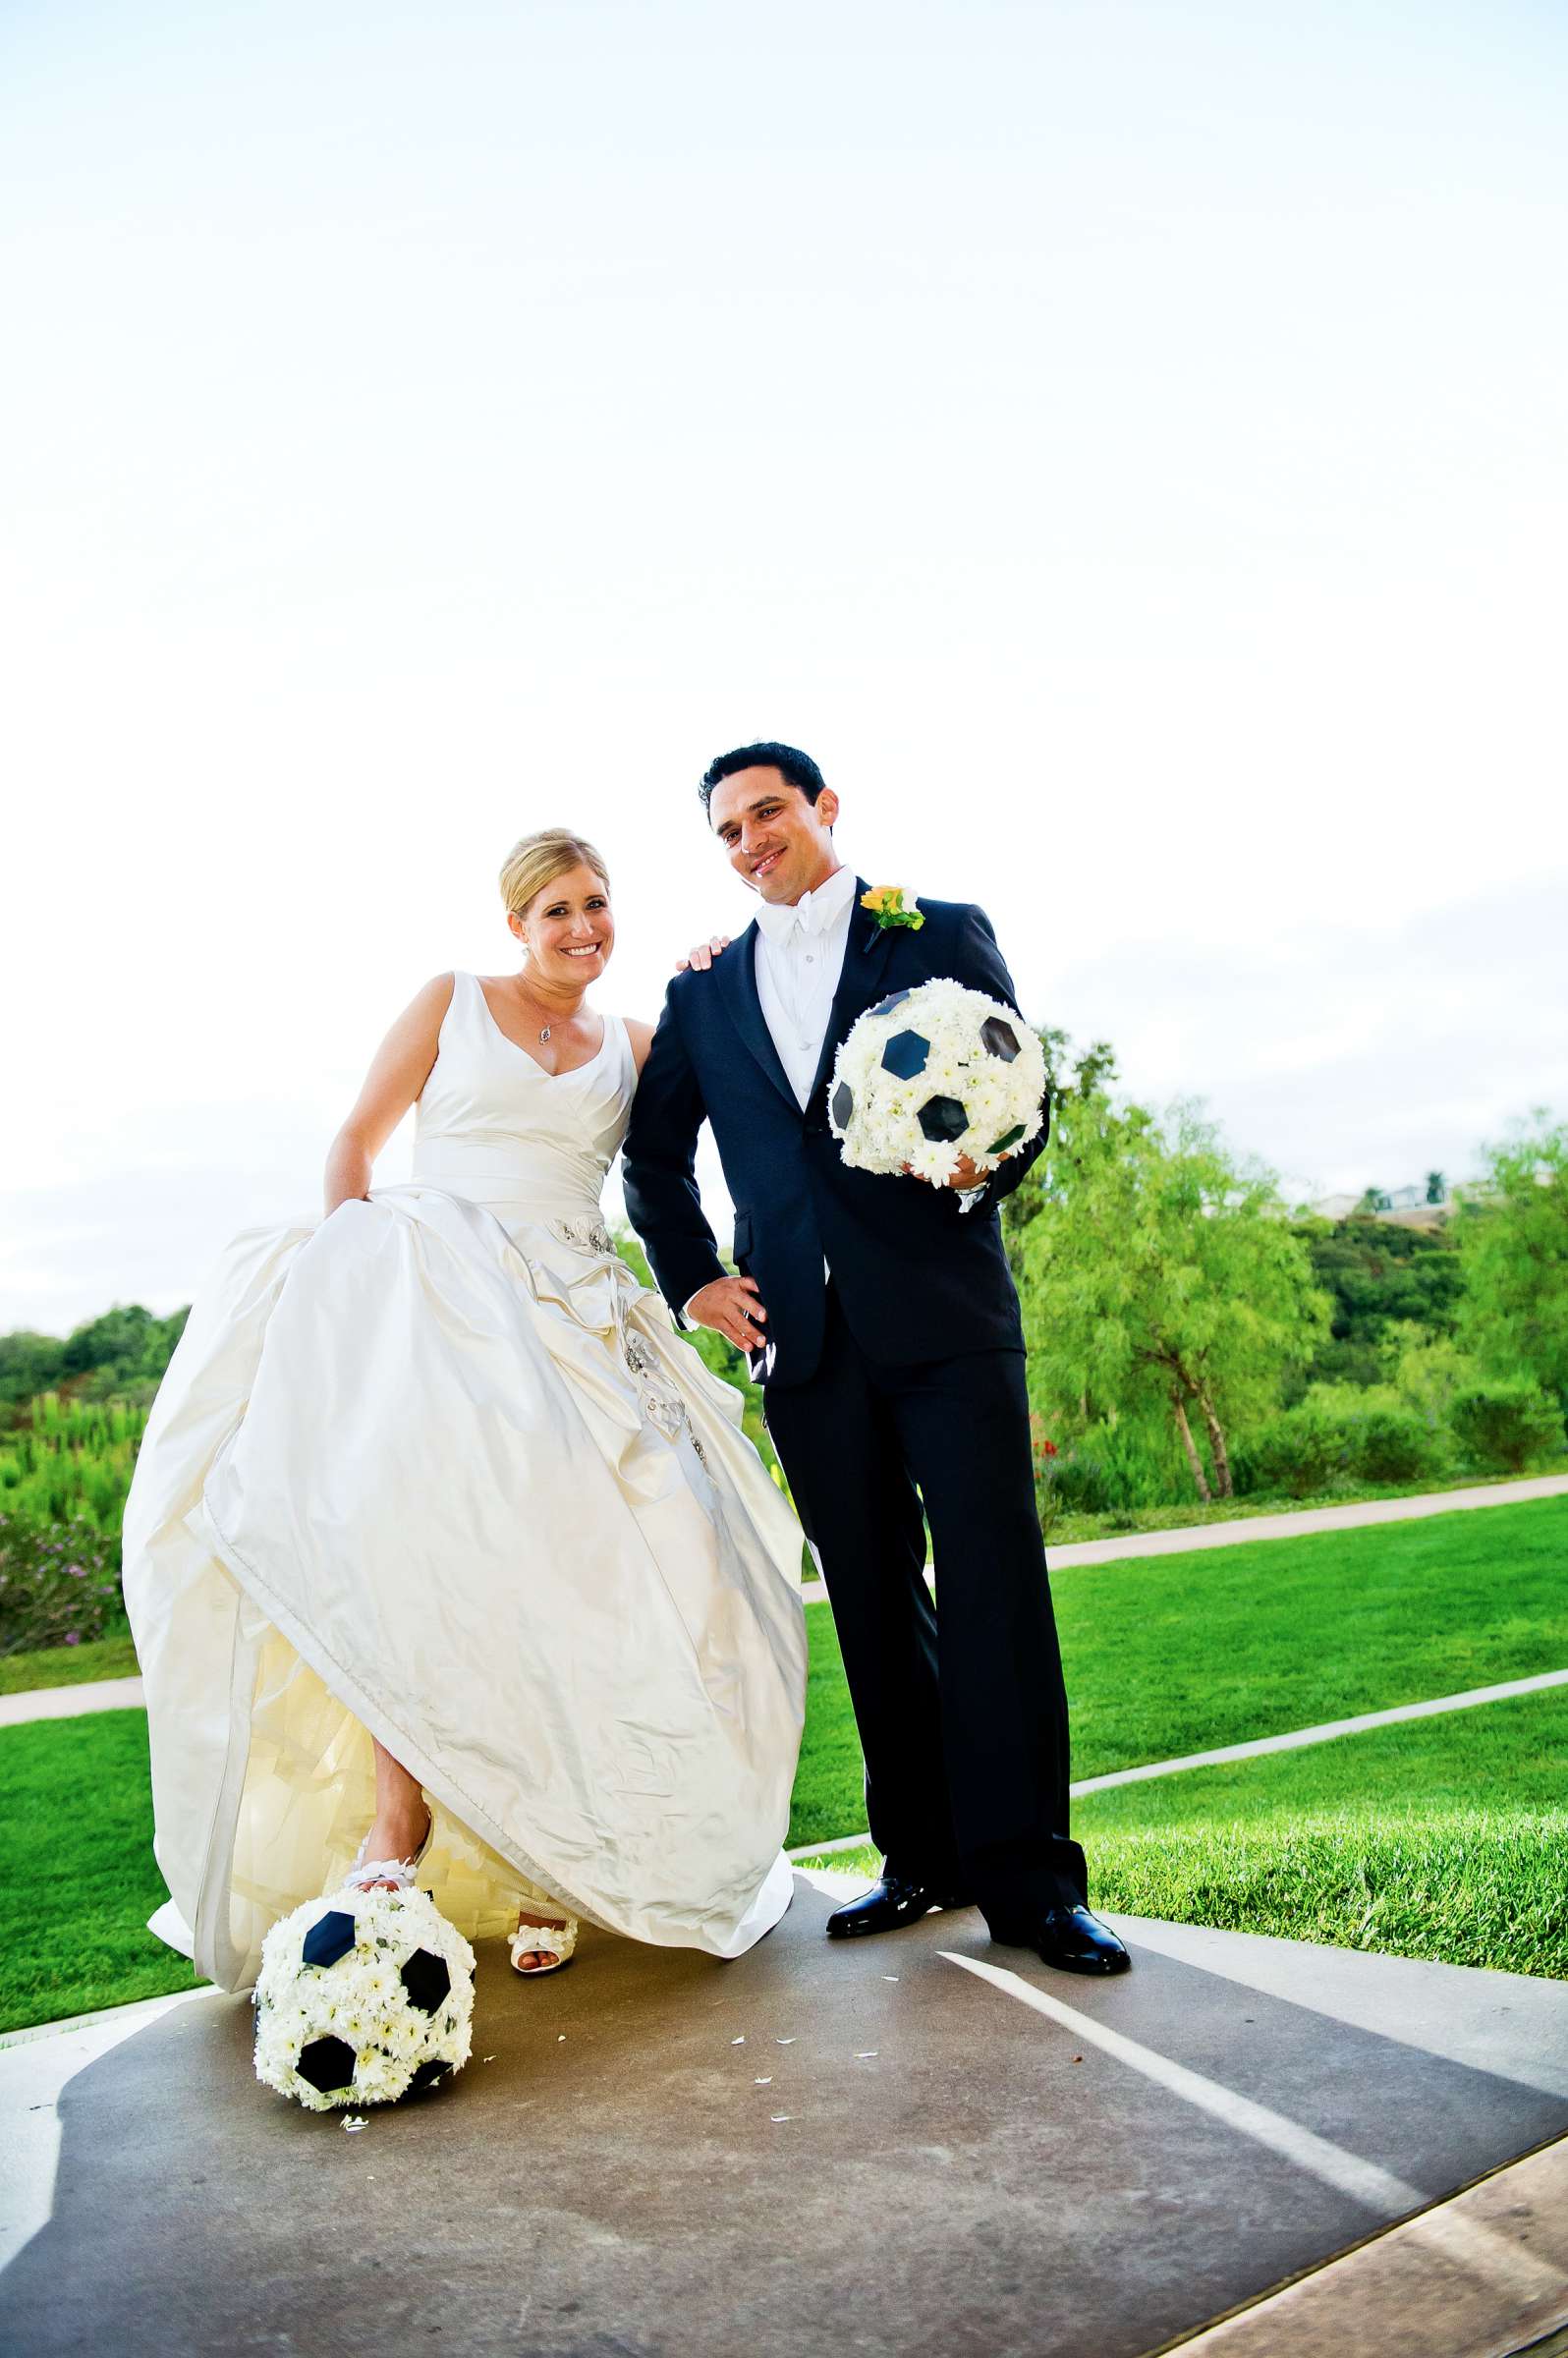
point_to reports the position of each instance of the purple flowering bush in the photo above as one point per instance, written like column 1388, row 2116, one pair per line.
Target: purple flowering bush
column 59, row 1585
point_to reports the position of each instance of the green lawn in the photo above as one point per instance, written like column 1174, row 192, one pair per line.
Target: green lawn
column 1444, row 1838
column 829, row 1784
column 1511, row 1755
column 68, row 1665
column 1174, row 1654
column 1170, row 1655
column 72, row 1923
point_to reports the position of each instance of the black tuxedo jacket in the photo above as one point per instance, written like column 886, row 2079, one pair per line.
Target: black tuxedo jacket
column 919, row 1277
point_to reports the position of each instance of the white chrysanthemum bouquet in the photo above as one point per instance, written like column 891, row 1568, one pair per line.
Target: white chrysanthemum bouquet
column 363, row 1997
column 934, row 1073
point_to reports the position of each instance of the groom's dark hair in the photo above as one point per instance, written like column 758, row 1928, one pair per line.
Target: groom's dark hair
column 798, row 767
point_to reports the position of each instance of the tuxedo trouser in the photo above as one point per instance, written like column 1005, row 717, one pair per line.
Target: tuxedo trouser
column 960, row 1704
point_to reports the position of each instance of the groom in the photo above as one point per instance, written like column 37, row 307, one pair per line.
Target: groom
column 880, row 1316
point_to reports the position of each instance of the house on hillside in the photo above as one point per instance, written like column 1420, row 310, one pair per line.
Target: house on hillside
column 1425, row 1203
column 1334, row 1208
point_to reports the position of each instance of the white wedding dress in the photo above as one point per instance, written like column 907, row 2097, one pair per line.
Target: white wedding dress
column 439, row 1469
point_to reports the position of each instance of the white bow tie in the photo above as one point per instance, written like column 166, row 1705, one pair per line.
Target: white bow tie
column 813, row 913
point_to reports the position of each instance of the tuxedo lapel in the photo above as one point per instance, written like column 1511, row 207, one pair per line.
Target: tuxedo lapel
column 864, row 956
column 736, row 975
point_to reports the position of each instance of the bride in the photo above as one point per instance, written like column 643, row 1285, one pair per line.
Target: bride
column 444, row 1552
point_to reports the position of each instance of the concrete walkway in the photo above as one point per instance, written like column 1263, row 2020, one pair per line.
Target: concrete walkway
column 1483, row 2276
column 69, row 1702
column 919, row 2144
column 1300, row 1523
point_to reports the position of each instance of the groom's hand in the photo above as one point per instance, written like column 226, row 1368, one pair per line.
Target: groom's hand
column 733, row 1308
column 965, row 1174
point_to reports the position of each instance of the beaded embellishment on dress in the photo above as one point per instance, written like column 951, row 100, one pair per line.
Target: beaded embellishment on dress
column 584, row 1236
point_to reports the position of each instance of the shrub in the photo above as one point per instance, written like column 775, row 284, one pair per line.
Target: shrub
column 1304, row 1451
column 1048, row 1497
column 71, row 1462
column 59, row 1585
column 1336, row 1437
column 1075, row 1480
column 1140, row 1462
column 1395, row 1444
column 1067, row 1481
column 1106, row 1470
column 1504, row 1422
column 1428, row 1371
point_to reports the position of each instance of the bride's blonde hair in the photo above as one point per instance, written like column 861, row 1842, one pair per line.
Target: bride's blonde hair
column 535, row 861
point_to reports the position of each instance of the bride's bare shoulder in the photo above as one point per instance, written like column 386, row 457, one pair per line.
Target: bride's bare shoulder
column 435, row 996
column 425, row 1012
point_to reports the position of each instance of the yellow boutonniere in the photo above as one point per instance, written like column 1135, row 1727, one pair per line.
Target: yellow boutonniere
column 886, row 904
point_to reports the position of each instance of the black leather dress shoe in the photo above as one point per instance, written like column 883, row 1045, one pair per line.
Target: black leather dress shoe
column 1070, row 1939
column 892, row 1902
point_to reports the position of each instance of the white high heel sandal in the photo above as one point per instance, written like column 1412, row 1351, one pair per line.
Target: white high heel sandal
column 365, row 1873
column 557, row 1941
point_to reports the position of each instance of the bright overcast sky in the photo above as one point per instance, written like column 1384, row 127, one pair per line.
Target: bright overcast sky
column 1123, row 444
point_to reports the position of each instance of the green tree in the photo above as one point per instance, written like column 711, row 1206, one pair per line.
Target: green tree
column 1427, row 1372
column 1513, row 1252
column 125, row 1346
column 1380, row 1278
column 28, row 1363
column 120, row 1355
column 1160, row 1274
column 1071, row 1077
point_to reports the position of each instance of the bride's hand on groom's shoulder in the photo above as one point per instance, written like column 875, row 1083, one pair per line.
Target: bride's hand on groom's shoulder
column 703, row 956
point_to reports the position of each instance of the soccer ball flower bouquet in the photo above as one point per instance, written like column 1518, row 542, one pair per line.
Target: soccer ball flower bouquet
column 934, row 1073
column 363, row 1997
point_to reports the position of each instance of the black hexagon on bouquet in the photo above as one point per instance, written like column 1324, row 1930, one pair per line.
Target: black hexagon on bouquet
column 943, row 1119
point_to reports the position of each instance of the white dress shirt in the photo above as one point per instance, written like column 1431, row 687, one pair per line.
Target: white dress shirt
column 799, row 957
